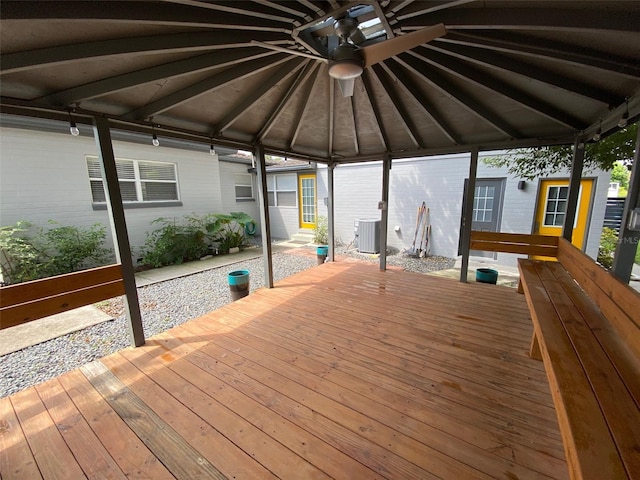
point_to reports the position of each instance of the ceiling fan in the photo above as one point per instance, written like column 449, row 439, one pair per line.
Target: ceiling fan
column 348, row 60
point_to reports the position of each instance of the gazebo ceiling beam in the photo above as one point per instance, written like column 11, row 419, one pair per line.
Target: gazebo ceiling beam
column 354, row 124
column 502, row 62
column 473, row 105
column 538, row 19
column 403, row 115
column 303, row 111
column 284, row 72
column 207, row 85
column 422, row 8
column 368, row 88
column 467, row 73
column 284, row 101
column 140, row 13
column 284, row 8
column 208, row 61
column 153, row 44
column 546, row 50
column 427, row 106
column 255, row 11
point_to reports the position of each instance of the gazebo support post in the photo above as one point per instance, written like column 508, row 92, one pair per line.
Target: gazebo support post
column 628, row 240
column 574, row 188
column 384, row 210
column 330, row 213
column 102, row 135
column 264, row 216
column 465, row 234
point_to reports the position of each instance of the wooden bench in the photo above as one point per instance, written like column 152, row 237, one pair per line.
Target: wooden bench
column 587, row 333
column 29, row 301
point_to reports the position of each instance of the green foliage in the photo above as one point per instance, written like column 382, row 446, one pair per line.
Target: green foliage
column 608, row 242
column 321, row 231
column 192, row 237
column 29, row 253
column 637, row 260
column 621, row 175
column 174, row 242
column 228, row 230
column 531, row 163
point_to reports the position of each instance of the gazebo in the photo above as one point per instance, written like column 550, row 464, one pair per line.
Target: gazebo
column 332, row 82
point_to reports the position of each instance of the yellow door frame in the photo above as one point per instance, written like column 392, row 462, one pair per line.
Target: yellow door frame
column 583, row 212
column 304, row 222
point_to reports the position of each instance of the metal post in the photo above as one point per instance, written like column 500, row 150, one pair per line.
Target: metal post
column 465, row 234
column 330, row 213
column 384, row 207
column 628, row 240
column 115, row 208
column 264, row 217
column 574, row 188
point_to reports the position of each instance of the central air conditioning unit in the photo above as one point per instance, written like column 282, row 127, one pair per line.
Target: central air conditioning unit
column 368, row 235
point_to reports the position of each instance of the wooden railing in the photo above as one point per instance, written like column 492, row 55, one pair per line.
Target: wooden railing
column 29, row 301
column 521, row 243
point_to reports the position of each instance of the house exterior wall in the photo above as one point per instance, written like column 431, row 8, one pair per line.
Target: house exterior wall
column 43, row 176
column 439, row 181
column 228, row 171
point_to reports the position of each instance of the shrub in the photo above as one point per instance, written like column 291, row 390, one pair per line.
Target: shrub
column 174, row 243
column 321, row 231
column 608, row 242
column 228, row 230
column 193, row 237
column 30, row 253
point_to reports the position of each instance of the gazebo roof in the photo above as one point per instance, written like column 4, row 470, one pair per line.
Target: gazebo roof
column 507, row 73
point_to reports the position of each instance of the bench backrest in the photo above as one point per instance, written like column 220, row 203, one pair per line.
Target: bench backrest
column 29, row 301
column 522, row 243
column 618, row 302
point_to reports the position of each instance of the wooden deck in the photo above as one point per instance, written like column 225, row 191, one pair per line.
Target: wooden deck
column 339, row 372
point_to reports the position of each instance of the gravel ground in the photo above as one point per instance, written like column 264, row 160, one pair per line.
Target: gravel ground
column 164, row 305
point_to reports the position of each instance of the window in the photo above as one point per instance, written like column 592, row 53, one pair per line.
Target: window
column 282, row 191
column 244, row 186
column 140, row 182
column 556, row 206
column 483, row 204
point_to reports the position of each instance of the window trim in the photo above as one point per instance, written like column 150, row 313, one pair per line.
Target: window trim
column 555, row 213
column 138, row 183
column 276, row 190
column 250, row 184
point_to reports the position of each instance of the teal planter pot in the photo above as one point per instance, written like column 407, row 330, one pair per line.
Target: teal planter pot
column 487, row 275
column 322, row 253
column 238, row 284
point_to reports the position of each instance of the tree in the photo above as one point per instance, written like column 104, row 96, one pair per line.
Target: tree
column 531, row 163
column 621, row 175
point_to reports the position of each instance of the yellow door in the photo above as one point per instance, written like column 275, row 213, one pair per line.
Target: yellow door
column 552, row 204
column 307, row 192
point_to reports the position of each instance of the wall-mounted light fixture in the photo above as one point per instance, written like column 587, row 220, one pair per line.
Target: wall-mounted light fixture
column 522, row 185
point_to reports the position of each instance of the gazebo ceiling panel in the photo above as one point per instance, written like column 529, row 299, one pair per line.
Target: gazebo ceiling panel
column 505, row 72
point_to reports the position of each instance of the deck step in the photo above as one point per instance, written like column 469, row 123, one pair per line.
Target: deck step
column 303, row 235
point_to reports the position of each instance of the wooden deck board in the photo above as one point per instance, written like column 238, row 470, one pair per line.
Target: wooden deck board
column 341, row 371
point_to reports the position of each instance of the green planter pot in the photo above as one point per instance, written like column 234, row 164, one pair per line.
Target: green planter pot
column 238, row 284
column 487, row 275
column 322, row 253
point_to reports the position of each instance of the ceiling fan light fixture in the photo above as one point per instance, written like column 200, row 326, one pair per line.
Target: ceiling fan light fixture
column 344, row 70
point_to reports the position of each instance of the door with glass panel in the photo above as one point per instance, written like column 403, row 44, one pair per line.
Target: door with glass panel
column 552, row 204
column 307, row 203
column 487, row 209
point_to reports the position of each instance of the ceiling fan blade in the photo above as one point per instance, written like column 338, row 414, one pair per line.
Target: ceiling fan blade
column 379, row 52
column 288, row 50
column 346, row 86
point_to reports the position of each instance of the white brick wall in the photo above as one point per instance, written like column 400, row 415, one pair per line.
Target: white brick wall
column 44, row 176
column 439, row 181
